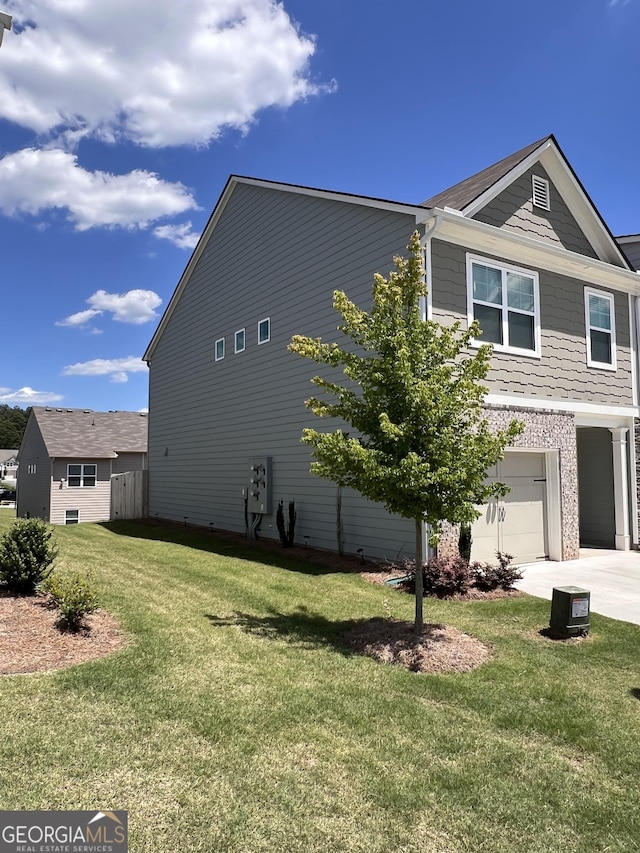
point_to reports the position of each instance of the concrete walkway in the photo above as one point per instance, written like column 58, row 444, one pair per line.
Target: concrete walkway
column 612, row 577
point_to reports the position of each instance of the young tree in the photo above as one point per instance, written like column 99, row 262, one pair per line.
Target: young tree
column 421, row 446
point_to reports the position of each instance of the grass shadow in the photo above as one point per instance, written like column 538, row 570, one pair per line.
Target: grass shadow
column 301, row 628
column 266, row 551
column 635, row 692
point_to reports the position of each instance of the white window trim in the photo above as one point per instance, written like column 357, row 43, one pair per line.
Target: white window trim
column 82, row 475
column 237, row 349
column 504, row 268
column 268, row 338
column 215, row 351
column 540, row 187
column 603, row 294
column 76, row 520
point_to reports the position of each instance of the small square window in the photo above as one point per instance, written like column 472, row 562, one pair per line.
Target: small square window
column 71, row 516
column 219, row 349
column 264, row 330
column 240, row 341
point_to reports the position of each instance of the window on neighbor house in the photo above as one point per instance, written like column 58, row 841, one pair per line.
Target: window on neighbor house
column 505, row 301
column 219, row 349
column 81, row 475
column 601, row 329
column 264, row 330
column 240, row 341
column 71, row 516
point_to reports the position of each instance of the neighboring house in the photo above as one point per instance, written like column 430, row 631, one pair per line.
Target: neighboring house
column 67, row 458
column 519, row 246
column 630, row 244
column 8, row 464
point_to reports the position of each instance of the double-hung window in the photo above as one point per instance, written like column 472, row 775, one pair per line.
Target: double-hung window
column 81, row 475
column 601, row 329
column 505, row 301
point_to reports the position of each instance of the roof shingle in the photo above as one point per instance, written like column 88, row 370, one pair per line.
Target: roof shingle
column 83, row 433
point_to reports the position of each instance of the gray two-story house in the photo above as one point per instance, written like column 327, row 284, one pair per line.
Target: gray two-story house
column 519, row 247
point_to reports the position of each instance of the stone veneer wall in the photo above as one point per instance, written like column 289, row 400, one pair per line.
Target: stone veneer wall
column 544, row 429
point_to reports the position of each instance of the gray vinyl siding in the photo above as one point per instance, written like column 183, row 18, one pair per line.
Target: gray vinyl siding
column 561, row 373
column 513, row 208
column 128, row 462
column 278, row 255
column 92, row 502
column 33, row 497
column 595, row 487
column 632, row 251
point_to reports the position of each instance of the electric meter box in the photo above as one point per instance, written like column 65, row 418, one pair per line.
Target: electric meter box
column 570, row 607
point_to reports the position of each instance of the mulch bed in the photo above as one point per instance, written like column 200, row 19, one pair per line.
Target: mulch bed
column 439, row 649
column 31, row 642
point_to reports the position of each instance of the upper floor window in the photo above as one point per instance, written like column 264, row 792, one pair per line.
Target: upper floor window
column 264, row 330
column 219, row 349
column 239, row 341
column 81, row 475
column 505, row 301
column 601, row 329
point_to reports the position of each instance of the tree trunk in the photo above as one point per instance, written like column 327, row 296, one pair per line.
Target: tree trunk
column 419, row 620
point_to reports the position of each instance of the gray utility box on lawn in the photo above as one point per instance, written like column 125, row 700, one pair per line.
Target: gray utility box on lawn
column 570, row 606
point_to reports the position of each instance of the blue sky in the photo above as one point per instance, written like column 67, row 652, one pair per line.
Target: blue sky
column 121, row 121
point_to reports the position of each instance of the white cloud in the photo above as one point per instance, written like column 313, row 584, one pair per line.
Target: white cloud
column 80, row 319
column 180, row 235
column 155, row 71
column 33, row 181
column 117, row 368
column 135, row 306
column 28, row 396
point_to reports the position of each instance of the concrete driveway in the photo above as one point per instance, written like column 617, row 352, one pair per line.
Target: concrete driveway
column 612, row 577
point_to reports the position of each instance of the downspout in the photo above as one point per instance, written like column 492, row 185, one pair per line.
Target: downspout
column 425, row 242
column 635, row 533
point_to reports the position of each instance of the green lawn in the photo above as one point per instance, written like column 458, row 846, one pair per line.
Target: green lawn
column 237, row 721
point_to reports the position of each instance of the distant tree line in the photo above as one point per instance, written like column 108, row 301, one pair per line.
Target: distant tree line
column 13, row 421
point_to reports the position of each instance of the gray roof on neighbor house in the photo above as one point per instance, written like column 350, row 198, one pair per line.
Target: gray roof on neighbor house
column 460, row 195
column 83, row 433
column 7, row 454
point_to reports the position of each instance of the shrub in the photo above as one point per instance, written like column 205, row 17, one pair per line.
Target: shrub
column 442, row 576
column 286, row 535
column 446, row 576
column 465, row 540
column 26, row 554
column 75, row 595
column 487, row 576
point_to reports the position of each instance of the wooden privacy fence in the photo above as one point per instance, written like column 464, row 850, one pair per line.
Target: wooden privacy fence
column 129, row 495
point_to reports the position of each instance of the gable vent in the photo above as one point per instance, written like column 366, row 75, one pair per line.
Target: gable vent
column 541, row 192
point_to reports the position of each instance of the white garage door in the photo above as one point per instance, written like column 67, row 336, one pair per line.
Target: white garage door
column 517, row 523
